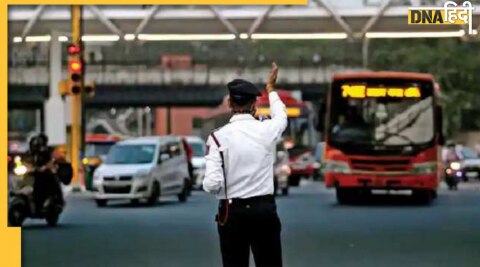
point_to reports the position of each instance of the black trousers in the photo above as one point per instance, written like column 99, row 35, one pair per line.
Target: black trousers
column 252, row 223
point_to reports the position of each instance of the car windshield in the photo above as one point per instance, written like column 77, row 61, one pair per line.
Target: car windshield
column 382, row 114
column 131, row 154
column 319, row 151
column 97, row 149
column 468, row 153
column 198, row 149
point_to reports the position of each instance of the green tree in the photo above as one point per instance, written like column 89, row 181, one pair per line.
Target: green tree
column 455, row 64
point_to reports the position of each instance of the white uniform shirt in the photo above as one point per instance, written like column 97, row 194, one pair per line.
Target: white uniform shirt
column 248, row 146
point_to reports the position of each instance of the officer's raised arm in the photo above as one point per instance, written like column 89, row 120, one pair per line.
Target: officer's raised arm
column 279, row 121
column 213, row 181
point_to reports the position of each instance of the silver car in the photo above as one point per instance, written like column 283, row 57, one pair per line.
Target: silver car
column 143, row 168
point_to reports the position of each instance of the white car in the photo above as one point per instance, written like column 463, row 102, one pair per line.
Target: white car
column 198, row 159
column 470, row 164
column 281, row 169
column 143, row 168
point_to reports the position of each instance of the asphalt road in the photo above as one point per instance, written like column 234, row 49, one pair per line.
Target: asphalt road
column 388, row 231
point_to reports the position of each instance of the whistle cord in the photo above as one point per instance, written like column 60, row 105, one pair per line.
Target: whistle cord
column 221, row 221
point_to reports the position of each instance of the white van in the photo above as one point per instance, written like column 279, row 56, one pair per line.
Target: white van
column 198, row 159
column 143, row 168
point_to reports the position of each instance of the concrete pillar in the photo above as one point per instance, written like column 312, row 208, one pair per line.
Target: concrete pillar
column 140, row 129
column 54, row 107
column 38, row 120
column 365, row 48
column 148, row 121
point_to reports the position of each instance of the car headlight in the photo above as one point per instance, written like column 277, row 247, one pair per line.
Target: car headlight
column 286, row 168
column 455, row 166
column 20, row 170
column 97, row 177
column 425, row 168
column 333, row 166
column 142, row 174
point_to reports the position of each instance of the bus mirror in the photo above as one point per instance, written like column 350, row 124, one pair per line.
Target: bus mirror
column 439, row 125
column 441, row 139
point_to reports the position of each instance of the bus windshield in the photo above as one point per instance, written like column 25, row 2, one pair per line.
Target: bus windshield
column 381, row 113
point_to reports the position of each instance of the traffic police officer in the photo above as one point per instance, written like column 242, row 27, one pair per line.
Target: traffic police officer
column 239, row 172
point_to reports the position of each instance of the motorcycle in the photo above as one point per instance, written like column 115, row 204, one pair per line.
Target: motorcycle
column 453, row 174
column 26, row 203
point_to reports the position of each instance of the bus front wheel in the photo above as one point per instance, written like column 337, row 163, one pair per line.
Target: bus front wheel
column 346, row 195
column 424, row 197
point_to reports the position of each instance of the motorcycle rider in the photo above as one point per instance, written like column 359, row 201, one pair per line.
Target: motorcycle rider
column 45, row 172
column 451, row 155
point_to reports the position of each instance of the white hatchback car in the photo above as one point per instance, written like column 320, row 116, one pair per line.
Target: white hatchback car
column 143, row 168
column 198, row 159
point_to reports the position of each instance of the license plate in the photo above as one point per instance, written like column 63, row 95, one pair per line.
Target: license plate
column 471, row 174
column 391, row 192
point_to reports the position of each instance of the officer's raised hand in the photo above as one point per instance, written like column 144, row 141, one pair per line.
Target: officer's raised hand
column 272, row 78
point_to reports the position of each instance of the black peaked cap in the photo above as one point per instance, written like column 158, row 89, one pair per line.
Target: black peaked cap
column 242, row 88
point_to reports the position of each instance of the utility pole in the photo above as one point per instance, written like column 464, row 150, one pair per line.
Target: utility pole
column 76, row 14
column 169, row 120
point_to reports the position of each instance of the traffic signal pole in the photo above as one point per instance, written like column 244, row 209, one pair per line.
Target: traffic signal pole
column 76, row 101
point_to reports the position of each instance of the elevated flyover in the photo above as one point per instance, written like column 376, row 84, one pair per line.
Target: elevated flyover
column 353, row 19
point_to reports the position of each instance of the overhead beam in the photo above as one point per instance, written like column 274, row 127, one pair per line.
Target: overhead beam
column 109, row 24
column 146, row 20
column 224, row 20
column 248, row 13
column 336, row 17
column 415, row 2
column 373, row 20
column 35, row 16
column 259, row 20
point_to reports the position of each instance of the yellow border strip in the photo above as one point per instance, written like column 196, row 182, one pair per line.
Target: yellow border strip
column 10, row 238
column 160, row 2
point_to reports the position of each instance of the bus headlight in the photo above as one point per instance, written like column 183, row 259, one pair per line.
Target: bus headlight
column 425, row 167
column 333, row 166
column 455, row 166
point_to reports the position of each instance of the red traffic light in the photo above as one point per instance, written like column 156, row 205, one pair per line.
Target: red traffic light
column 75, row 65
column 73, row 49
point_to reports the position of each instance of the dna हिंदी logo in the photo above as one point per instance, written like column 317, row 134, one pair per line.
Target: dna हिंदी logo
column 450, row 13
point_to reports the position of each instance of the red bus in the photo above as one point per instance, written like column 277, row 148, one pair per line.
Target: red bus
column 383, row 130
column 297, row 112
column 296, row 136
